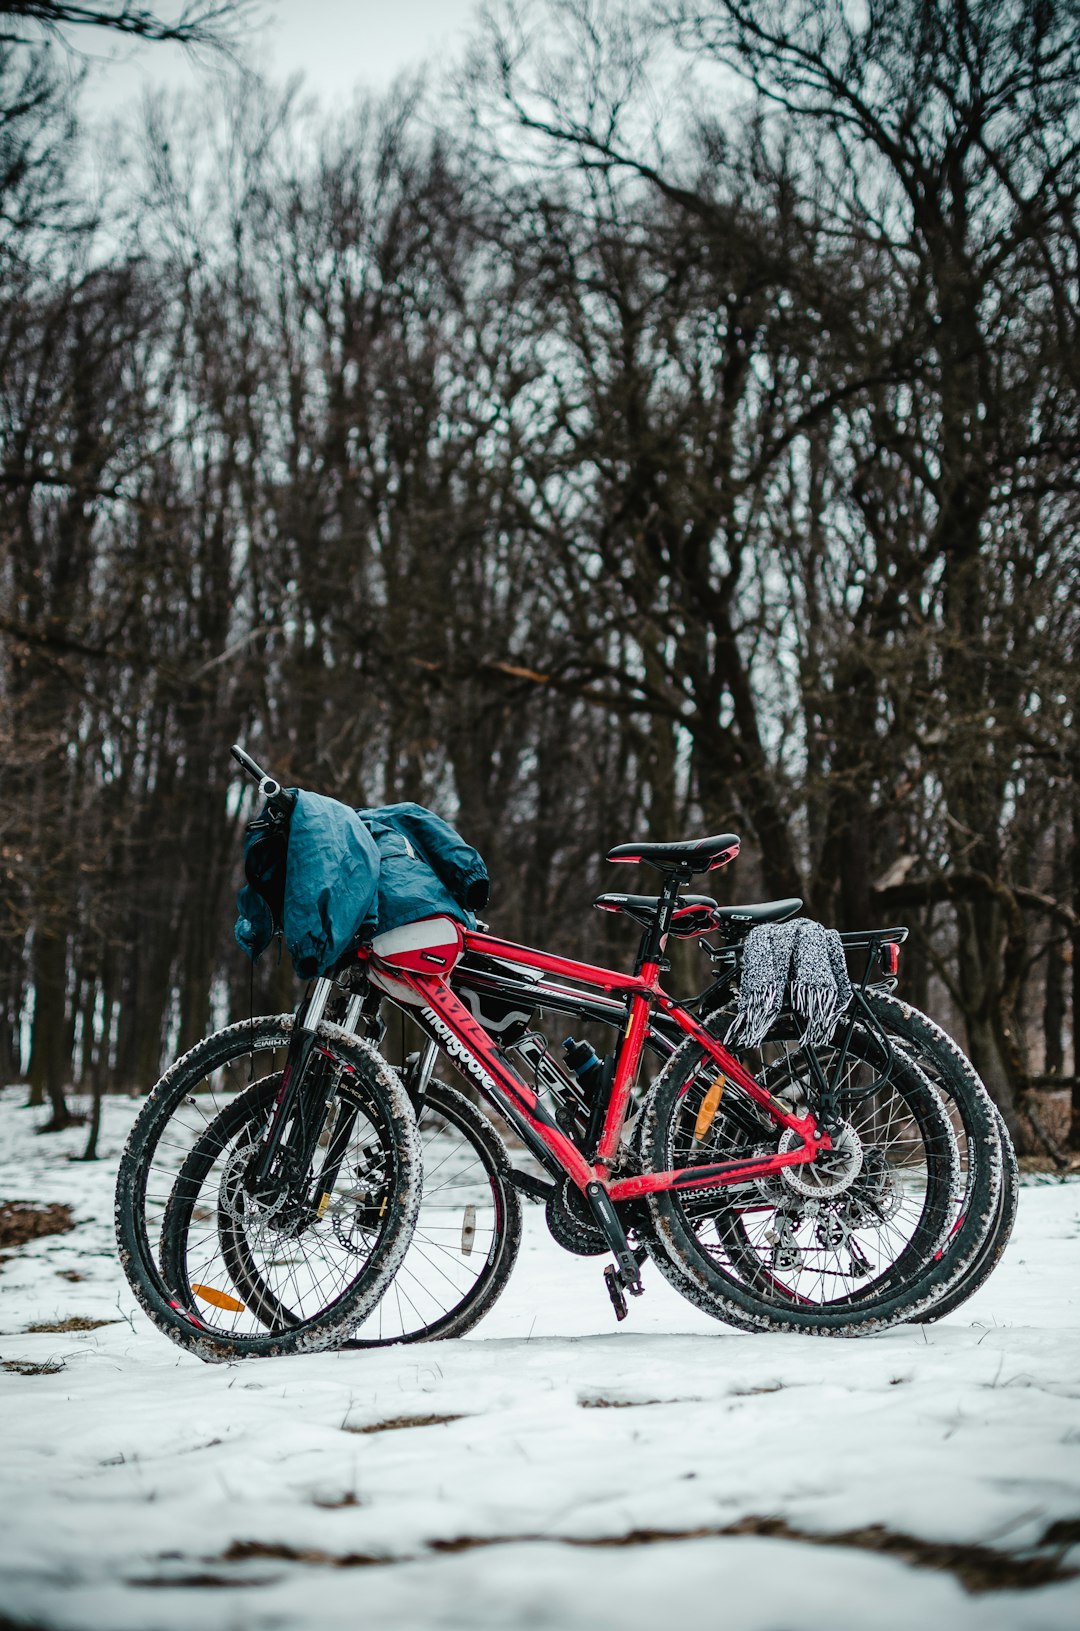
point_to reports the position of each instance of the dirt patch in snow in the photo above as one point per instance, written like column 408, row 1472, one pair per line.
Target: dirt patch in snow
column 74, row 1322
column 625, row 1404
column 1065, row 1532
column 212, row 1582
column 396, row 1423
column 21, row 1221
column 976, row 1568
column 242, row 1551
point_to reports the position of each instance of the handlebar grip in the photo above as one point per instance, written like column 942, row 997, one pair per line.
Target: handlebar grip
column 270, row 788
column 247, row 762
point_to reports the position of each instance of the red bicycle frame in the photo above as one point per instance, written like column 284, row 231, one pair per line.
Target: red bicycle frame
column 448, row 1021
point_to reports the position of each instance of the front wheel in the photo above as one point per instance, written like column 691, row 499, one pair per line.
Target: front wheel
column 229, row 1273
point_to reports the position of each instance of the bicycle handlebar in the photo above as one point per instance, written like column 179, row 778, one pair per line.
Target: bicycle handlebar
column 270, row 788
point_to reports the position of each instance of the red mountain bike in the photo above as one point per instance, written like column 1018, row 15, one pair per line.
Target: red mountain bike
column 261, row 1216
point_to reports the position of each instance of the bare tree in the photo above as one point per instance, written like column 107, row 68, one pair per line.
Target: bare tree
column 713, row 474
column 197, row 24
column 924, row 162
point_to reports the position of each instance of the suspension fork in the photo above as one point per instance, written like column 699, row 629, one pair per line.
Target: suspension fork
column 355, row 1016
column 361, row 1013
column 301, row 1079
column 420, row 1067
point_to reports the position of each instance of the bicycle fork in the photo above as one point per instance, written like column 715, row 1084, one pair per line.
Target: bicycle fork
column 284, row 1157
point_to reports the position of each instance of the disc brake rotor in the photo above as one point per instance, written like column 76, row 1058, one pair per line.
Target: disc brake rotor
column 357, row 1212
column 238, row 1203
column 831, row 1173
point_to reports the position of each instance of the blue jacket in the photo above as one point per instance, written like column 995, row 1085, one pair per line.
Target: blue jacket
column 344, row 875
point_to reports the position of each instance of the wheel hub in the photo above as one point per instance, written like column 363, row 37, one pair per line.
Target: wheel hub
column 272, row 1205
column 831, row 1173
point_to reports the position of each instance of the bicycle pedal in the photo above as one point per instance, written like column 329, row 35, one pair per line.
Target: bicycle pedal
column 613, row 1282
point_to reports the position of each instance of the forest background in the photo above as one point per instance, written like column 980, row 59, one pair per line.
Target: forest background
column 667, row 425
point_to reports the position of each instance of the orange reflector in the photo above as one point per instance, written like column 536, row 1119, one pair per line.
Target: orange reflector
column 220, row 1299
column 710, row 1104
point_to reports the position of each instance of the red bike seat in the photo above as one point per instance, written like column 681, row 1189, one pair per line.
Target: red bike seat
column 693, row 855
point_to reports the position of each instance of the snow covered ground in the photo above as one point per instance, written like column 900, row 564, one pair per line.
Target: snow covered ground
column 554, row 1470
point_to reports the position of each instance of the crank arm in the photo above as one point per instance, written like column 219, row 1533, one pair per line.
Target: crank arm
column 611, row 1227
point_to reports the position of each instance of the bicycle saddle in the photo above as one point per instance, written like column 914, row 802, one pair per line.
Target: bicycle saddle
column 693, row 855
column 767, row 911
column 643, row 908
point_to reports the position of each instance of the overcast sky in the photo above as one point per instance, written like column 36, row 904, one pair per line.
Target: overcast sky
column 336, row 44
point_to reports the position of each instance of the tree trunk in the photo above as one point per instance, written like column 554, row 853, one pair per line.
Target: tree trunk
column 48, row 1057
column 1054, row 1012
column 1074, row 868
column 979, row 932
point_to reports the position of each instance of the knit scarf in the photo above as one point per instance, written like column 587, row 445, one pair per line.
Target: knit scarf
column 798, row 964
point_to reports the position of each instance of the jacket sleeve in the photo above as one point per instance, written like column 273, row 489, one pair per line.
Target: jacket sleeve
column 460, row 867
column 254, row 927
column 259, row 903
column 331, row 883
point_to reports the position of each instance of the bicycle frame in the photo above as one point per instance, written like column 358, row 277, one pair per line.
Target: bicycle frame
column 446, row 1019
column 663, row 1035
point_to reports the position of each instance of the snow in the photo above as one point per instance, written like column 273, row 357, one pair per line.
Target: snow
column 127, row 1474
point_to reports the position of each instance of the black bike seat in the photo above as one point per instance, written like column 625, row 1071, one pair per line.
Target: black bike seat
column 766, row 911
column 643, row 908
column 693, row 855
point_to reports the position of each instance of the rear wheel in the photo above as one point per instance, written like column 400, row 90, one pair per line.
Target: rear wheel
column 990, row 1253
column 843, row 1245
column 979, row 1226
